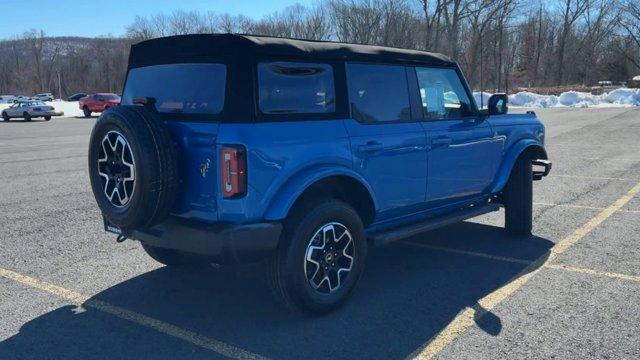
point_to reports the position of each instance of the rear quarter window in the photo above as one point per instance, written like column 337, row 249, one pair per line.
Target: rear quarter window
column 295, row 88
column 179, row 88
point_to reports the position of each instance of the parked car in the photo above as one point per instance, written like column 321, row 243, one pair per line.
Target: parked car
column 6, row 99
column 303, row 154
column 20, row 98
column 98, row 103
column 43, row 97
column 76, row 97
column 29, row 110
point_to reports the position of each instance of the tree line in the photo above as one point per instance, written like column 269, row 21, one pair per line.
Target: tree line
column 505, row 44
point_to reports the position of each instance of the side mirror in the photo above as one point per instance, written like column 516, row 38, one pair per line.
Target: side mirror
column 497, row 104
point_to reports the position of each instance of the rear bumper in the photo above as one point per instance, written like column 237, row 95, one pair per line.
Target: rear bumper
column 48, row 113
column 225, row 243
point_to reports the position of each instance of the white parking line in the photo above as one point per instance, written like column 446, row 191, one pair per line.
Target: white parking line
column 132, row 316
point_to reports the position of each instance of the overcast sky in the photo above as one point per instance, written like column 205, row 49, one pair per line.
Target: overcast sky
column 111, row 17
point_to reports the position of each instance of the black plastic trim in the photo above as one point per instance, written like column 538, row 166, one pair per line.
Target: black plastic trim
column 223, row 242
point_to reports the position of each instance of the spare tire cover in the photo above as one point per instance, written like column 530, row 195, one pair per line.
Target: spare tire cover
column 133, row 167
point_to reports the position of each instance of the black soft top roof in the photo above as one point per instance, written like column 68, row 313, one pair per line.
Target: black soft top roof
column 231, row 47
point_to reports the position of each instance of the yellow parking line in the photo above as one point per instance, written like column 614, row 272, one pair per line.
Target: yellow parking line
column 463, row 321
column 584, row 207
column 569, row 206
column 524, row 261
column 470, row 253
column 590, row 177
column 137, row 318
column 607, row 159
column 594, row 272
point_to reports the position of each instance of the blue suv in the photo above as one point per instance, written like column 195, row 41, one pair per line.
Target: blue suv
column 237, row 148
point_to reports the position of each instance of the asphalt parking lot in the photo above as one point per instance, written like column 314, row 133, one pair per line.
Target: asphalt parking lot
column 68, row 290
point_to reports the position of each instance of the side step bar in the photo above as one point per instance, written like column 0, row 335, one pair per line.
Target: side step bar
column 387, row 236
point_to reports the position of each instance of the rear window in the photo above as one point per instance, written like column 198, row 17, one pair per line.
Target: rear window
column 179, row 88
column 295, row 88
column 378, row 93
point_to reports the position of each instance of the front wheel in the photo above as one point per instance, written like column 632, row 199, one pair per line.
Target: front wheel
column 518, row 198
column 27, row 116
column 5, row 116
column 86, row 112
column 321, row 256
column 47, row 118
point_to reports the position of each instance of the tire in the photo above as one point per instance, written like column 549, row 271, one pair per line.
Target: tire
column 5, row 116
column 169, row 257
column 47, row 118
column 289, row 266
column 518, row 198
column 86, row 111
column 145, row 194
column 27, row 116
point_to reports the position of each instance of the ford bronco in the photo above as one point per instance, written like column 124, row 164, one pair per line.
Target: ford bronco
column 302, row 154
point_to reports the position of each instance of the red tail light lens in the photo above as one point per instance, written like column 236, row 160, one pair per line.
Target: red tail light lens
column 233, row 171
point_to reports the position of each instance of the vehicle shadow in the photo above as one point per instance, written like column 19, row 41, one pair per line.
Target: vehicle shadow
column 22, row 121
column 85, row 117
column 407, row 296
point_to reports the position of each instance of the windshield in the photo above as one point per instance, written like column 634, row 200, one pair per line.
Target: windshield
column 179, row 88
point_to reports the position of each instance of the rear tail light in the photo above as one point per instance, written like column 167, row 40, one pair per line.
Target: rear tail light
column 233, row 171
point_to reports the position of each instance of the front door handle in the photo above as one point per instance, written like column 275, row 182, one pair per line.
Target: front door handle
column 370, row 146
column 441, row 141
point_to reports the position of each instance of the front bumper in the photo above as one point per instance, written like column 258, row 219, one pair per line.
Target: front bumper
column 223, row 242
column 541, row 168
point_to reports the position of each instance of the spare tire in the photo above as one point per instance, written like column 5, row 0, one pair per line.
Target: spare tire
column 133, row 167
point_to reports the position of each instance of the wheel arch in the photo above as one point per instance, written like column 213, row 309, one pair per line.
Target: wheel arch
column 527, row 147
column 340, row 184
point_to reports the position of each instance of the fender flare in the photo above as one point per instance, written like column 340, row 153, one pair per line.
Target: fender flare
column 509, row 160
column 291, row 190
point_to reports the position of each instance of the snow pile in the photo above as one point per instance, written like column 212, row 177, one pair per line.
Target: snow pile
column 622, row 97
column 529, row 99
column 485, row 97
column 578, row 99
column 70, row 108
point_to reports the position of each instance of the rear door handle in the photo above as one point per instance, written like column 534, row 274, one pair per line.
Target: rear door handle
column 441, row 141
column 371, row 146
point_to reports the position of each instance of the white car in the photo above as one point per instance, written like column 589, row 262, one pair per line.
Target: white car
column 29, row 110
column 43, row 97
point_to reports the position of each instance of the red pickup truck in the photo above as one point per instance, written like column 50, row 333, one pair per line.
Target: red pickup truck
column 98, row 103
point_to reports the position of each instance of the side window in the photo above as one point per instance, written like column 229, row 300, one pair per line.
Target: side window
column 442, row 94
column 378, row 93
column 295, row 88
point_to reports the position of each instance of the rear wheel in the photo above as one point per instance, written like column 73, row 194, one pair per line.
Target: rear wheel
column 169, row 257
column 26, row 116
column 321, row 256
column 86, row 111
column 518, row 198
column 47, row 118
